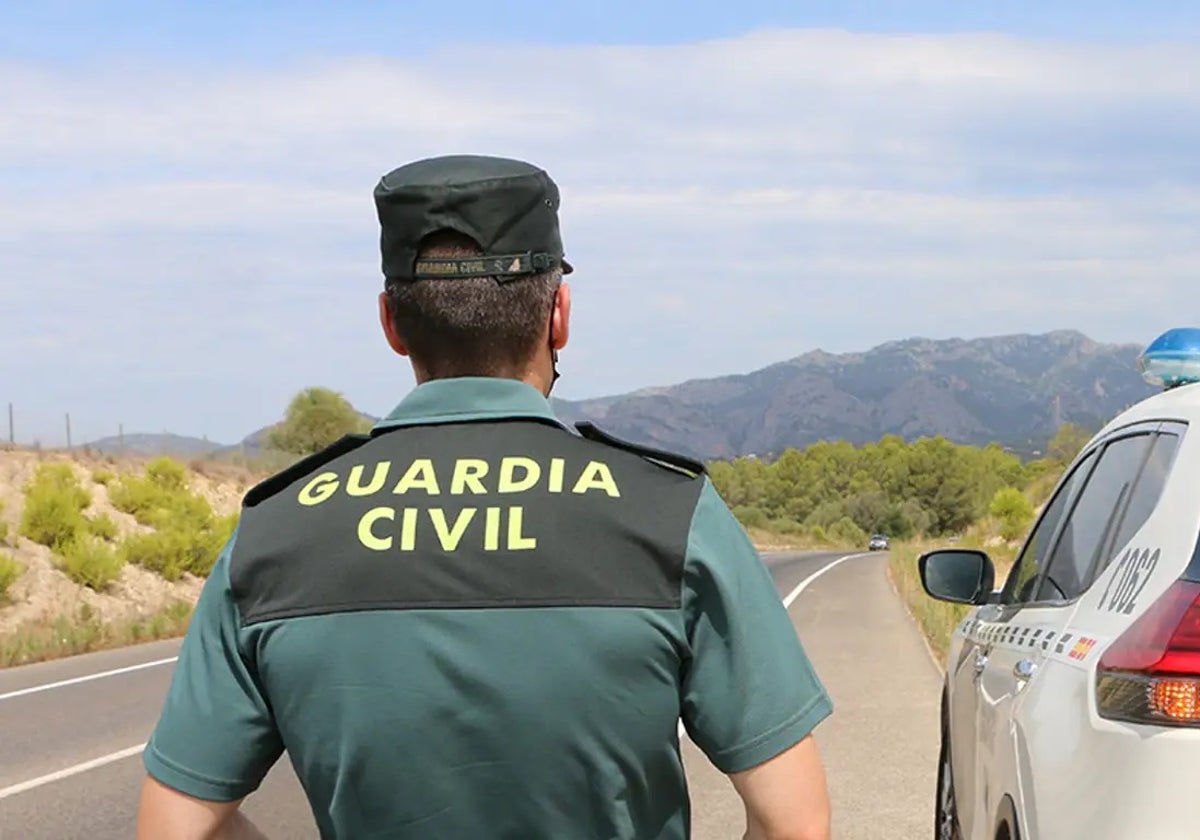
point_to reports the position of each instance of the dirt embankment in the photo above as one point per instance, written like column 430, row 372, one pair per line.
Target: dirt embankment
column 43, row 593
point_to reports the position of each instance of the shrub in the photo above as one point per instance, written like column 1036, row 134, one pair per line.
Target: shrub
column 787, row 527
column 188, row 534
column 750, row 517
column 102, row 526
column 845, row 531
column 10, row 570
column 1013, row 510
column 149, row 497
column 168, row 474
column 161, row 498
column 3, row 525
column 183, row 547
column 103, row 476
column 90, row 562
column 54, row 503
column 164, row 552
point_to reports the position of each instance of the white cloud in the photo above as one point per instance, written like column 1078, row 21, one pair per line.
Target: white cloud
column 722, row 201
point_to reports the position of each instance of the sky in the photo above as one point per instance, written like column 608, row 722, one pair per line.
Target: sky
column 187, row 235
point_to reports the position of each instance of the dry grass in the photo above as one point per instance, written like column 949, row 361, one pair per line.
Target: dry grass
column 767, row 540
column 86, row 632
column 937, row 619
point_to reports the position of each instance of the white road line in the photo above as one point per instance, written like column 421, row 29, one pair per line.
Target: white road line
column 61, row 683
column 70, row 771
column 804, row 584
column 791, row 597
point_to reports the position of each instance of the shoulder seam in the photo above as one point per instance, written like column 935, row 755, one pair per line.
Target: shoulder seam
column 668, row 460
column 688, row 558
column 268, row 487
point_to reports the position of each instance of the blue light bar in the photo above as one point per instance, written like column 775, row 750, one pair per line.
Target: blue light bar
column 1172, row 359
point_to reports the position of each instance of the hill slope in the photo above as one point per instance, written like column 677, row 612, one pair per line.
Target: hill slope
column 1014, row 389
column 142, row 444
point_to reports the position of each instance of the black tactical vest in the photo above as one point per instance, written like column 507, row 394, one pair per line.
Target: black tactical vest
column 515, row 513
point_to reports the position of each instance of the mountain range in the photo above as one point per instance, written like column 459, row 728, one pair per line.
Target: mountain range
column 1014, row 390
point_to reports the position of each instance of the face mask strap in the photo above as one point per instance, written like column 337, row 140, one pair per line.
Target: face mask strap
column 553, row 354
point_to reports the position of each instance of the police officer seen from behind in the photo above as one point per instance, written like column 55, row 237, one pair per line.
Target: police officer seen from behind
column 474, row 622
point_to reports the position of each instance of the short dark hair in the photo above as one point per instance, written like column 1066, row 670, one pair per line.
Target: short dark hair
column 471, row 326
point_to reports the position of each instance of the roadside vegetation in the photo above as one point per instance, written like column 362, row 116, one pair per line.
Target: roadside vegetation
column 937, row 619
column 187, row 535
column 925, row 494
column 134, row 538
column 927, row 488
column 86, row 632
column 10, row 570
column 97, row 552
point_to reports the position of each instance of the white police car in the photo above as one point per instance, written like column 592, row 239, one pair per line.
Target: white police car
column 1071, row 706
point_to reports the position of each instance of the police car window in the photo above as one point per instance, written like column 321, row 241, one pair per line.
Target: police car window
column 1019, row 587
column 1093, row 518
column 1142, row 500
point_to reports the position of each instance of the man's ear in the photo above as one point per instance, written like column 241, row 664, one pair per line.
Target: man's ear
column 560, row 319
column 389, row 326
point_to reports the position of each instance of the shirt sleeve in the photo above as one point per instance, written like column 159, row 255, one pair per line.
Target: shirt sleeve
column 749, row 690
column 216, row 738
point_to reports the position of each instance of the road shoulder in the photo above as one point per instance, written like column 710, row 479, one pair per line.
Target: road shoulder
column 880, row 744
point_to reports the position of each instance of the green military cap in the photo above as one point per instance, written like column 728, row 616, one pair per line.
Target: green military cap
column 509, row 207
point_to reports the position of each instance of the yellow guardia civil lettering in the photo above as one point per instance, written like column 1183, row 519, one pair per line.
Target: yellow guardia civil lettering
column 355, row 486
column 320, row 488
column 468, row 472
column 450, row 536
column 509, row 483
column 514, row 474
column 597, row 476
column 449, row 533
column 420, row 474
column 386, row 528
column 366, row 536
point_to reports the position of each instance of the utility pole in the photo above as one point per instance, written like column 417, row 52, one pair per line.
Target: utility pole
column 121, row 438
column 68, row 430
column 12, row 435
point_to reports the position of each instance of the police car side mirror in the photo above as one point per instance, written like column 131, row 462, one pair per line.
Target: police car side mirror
column 957, row 575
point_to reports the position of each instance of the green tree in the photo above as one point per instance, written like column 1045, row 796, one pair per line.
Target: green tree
column 868, row 510
column 1067, row 443
column 931, row 486
column 750, row 517
column 1013, row 509
column 315, row 418
column 846, row 532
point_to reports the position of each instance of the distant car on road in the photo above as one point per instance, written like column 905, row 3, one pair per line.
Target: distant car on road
column 1071, row 704
column 878, row 543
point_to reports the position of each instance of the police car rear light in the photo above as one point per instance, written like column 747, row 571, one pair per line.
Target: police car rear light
column 1151, row 673
column 1176, row 699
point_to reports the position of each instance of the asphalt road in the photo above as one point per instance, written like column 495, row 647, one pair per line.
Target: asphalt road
column 70, row 740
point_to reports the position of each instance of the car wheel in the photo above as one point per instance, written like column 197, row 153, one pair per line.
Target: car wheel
column 945, row 825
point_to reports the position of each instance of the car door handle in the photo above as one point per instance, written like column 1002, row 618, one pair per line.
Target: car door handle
column 981, row 661
column 1024, row 669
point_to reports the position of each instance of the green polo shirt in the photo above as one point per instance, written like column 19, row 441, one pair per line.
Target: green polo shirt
column 479, row 624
